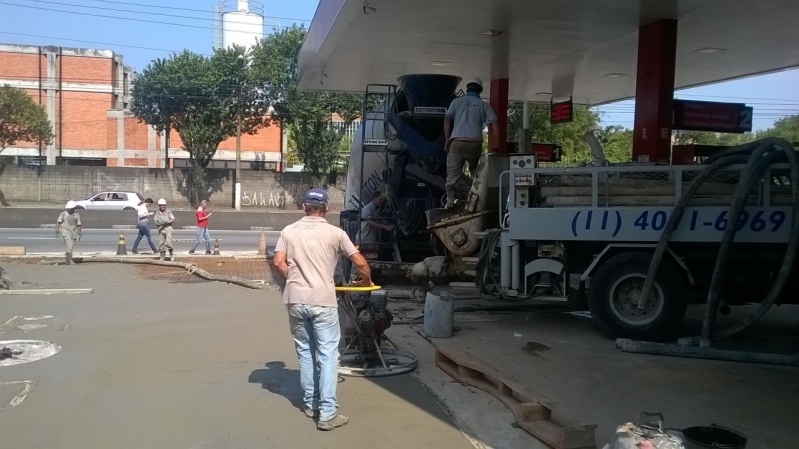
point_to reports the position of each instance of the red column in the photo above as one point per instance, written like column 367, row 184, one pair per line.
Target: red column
column 499, row 103
column 654, row 91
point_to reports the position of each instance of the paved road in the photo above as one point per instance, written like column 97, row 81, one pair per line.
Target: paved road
column 244, row 220
column 99, row 240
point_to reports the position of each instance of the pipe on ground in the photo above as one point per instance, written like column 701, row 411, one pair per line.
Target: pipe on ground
column 190, row 267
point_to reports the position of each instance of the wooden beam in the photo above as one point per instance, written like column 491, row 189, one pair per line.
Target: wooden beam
column 534, row 413
column 12, row 250
column 48, row 291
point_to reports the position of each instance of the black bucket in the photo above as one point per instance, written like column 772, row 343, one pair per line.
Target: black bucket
column 713, row 437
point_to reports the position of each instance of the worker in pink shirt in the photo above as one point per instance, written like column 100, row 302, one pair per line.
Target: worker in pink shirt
column 202, row 228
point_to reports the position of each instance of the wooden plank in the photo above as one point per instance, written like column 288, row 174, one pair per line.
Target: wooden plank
column 12, row 251
column 48, row 291
column 533, row 411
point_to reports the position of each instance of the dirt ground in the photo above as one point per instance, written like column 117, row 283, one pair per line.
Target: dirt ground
column 165, row 364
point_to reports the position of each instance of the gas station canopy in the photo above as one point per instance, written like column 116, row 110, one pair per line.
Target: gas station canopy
column 587, row 49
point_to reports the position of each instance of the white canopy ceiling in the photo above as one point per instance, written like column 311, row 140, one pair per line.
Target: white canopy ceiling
column 584, row 48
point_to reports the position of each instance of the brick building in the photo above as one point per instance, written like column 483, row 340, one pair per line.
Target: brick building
column 86, row 94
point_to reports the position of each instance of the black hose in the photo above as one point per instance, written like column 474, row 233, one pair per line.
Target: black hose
column 788, row 260
column 761, row 154
column 485, row 279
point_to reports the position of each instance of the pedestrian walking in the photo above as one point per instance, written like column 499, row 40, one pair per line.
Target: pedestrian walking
column 306, row 256
column 143, row 224
column 202, row 215
column 164, row 219
column 68, row 227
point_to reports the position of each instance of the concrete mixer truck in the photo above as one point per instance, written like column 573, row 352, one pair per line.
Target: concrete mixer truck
column 635, row 242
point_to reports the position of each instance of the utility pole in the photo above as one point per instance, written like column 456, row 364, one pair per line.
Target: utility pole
column 237, row 200
column 238, row 153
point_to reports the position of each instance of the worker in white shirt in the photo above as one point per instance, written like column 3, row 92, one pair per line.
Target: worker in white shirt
column 143, row 224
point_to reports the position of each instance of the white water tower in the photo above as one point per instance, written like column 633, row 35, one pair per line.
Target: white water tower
column 242, row 23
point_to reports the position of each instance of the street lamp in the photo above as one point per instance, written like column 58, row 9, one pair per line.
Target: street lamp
column 237, row 201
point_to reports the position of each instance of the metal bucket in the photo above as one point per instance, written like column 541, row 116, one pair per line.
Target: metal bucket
column 713, row 437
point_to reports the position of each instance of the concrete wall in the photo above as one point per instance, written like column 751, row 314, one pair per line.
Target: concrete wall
column 56, row 184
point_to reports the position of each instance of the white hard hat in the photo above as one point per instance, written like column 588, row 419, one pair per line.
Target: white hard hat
column 70, row 205
column 162, row 202
column 475, row 80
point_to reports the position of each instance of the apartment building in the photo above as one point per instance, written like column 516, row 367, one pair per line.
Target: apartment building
column 86, row 94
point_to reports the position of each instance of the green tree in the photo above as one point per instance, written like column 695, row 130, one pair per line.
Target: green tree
column 21, row 120
column 617, row 143
column 306, row 114
column 568, row 135
column 202, row 99
column 786, row 127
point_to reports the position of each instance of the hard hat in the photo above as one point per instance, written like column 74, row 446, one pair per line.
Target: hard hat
column 475, row 80
column 70, row 205
column 162, row 202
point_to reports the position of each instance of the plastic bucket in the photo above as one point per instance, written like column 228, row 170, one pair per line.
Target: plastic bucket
column 439, row 316
column 713, row 437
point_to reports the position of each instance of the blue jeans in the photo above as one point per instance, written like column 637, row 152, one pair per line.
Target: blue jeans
column 144, row 231
column 316, row 338
column 202, row 233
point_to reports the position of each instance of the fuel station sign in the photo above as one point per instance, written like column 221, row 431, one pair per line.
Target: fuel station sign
column 711, row 116
column 561, row 112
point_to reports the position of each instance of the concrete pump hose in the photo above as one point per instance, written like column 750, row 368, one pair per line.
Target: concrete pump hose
column 788, row 260
column 753, row 172
column 676, row 215
column 189, row 267
column 751, row 175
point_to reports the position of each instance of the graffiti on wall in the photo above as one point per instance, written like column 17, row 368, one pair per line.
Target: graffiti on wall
column 264, row 199
column 290, row 195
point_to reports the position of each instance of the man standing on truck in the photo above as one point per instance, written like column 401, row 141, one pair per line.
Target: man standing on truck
column 464, row 122
column 164, row 219
column 306, row 256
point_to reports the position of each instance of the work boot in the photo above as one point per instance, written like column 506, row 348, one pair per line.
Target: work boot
column 134, row 251
column 163, row 254
column 338, row 420
column 309, row 413
column 69, row 259
column 171, row 257
column 208, row 252
column 191, row 251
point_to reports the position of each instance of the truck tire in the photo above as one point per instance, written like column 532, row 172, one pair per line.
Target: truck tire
column 613, row 302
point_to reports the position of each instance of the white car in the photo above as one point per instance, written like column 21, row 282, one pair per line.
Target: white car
column 111, row 201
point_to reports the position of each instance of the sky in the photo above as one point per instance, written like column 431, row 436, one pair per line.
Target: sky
column 39, row 22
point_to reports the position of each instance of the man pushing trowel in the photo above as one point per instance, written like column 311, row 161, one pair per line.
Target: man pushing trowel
column 68, row 227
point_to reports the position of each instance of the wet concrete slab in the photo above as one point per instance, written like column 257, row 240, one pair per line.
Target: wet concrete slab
column 157, row 364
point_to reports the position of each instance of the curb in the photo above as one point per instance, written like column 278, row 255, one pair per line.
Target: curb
column 123, row 227
column 261, row 228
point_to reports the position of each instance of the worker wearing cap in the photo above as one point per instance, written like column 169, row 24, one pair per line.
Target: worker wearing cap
column 68, row 227
column 464, row 122
column 164, row 219
column 306, row 256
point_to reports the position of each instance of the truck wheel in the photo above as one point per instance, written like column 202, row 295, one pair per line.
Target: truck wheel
column 613, row 298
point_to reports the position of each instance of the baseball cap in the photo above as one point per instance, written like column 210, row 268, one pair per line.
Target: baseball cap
column 315, row 196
